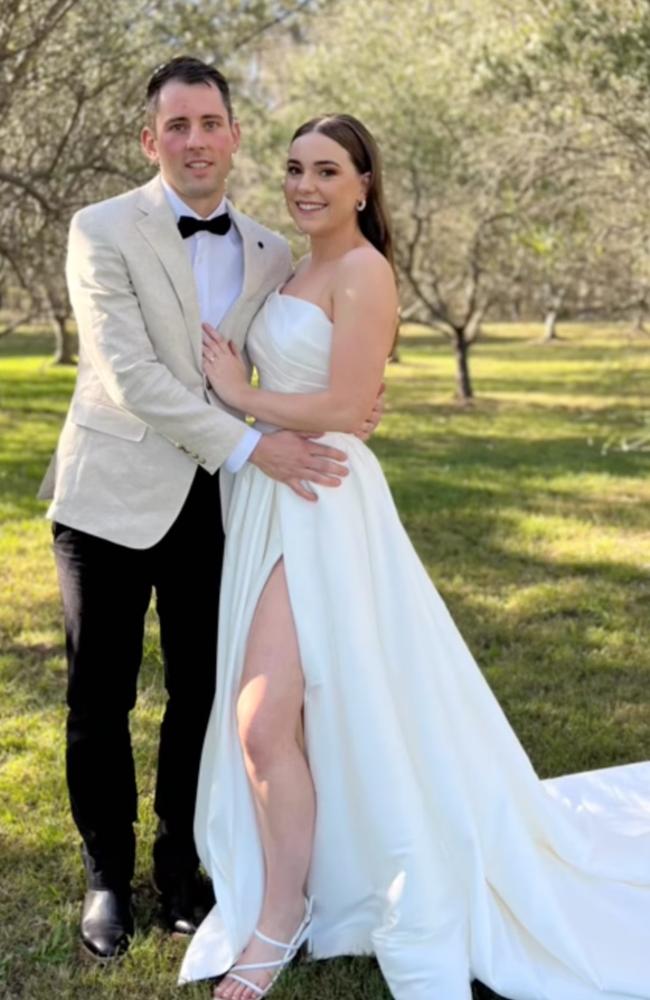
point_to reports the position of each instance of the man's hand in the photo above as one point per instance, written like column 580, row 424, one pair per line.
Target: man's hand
column 371, row 423
column 294, row 458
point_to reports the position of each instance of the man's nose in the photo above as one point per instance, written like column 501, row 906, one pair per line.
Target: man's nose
column 196, row 137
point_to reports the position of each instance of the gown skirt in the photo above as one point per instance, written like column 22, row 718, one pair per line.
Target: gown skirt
column 437, row 848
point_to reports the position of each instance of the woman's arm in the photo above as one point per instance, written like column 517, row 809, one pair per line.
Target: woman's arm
column 365, row 310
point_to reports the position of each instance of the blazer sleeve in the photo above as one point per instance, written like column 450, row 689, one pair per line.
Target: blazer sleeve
column 115, row 341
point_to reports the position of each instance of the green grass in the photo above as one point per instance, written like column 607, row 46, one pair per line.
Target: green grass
column 536, row 534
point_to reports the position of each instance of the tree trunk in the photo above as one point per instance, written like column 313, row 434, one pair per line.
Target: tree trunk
column 463, row 381
column 554, row 302
column 473, row 326
column 65, row 341
column 550, row 325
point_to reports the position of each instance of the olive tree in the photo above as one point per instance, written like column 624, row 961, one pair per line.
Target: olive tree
column 72, row 76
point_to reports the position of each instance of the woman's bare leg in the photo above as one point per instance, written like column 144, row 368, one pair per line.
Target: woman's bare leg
column 269, row 715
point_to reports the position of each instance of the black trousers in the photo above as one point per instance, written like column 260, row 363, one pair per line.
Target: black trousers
column 106, row 590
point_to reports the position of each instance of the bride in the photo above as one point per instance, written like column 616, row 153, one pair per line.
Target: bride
column 360, row 788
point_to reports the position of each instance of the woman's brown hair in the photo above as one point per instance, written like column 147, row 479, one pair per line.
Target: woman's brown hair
column 359, row 143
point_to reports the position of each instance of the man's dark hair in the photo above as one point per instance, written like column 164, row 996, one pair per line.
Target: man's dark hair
column 186, row 69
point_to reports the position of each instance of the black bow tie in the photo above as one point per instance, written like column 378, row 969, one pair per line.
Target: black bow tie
column 188, row 225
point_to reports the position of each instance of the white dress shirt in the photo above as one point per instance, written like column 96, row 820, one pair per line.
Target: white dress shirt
column 218, row 268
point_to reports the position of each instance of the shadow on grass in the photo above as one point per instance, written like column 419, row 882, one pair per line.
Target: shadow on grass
column 540, row 457
column 24, row 343
column 34, row 675
column 42, row 949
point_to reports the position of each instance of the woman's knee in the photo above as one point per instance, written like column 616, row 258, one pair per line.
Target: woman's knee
column 261, row 734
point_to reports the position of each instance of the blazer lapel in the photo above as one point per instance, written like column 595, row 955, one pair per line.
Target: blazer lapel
column 252, row 249
column 158, row 226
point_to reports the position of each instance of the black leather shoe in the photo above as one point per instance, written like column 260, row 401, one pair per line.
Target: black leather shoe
column 106, row 924
column 185, row 900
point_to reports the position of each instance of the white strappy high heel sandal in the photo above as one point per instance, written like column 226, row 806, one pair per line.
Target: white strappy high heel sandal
column 290, row 950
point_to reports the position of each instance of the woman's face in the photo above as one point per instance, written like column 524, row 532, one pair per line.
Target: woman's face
column 322, row 185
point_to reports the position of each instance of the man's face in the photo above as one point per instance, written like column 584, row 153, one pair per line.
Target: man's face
column 192, row 143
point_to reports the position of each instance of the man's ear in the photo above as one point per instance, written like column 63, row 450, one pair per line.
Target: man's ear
column 149, row 144
column 236, row 131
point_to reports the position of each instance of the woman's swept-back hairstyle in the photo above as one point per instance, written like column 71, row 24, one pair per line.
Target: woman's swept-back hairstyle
column 355, row 138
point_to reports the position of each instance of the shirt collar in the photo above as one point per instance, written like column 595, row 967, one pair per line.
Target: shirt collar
column 179, row 207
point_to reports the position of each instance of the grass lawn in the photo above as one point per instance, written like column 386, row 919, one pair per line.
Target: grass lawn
column 531, row 519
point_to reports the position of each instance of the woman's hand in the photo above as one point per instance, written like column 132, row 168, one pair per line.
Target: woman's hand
column 224, row 367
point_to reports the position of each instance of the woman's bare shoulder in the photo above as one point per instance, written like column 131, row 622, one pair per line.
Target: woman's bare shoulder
column 363, row 259
column 367, row 271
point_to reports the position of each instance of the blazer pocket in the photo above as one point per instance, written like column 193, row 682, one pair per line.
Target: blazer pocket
column 108, row 420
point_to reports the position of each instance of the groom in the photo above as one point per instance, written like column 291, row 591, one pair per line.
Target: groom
column 137, row 493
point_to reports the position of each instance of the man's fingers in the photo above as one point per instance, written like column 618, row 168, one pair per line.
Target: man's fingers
column 323, row 450
column 322, row 479
column 326, row 451
column 301, row 486
column 299, row 463
column 298, row 487
column 324, row 467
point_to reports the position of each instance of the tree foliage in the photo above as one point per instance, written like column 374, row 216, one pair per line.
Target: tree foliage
column 515, row 135
column 72, row 77
column 473, row 180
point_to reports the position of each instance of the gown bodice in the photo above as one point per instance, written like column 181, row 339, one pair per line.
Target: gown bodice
column 290, row 343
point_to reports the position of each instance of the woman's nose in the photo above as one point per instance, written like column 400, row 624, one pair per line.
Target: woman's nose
column 305, row 182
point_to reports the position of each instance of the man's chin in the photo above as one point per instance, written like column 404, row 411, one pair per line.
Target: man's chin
column 201, row 190
column 208, row 192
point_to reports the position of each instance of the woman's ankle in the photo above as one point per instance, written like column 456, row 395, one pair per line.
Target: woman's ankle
column 282, row 915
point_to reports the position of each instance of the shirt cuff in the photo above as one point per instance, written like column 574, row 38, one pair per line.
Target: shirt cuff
column 243, row 450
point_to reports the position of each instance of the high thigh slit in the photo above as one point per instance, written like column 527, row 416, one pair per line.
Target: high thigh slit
column 436, row 847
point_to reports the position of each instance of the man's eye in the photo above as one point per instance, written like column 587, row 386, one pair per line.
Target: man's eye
column 177, row 127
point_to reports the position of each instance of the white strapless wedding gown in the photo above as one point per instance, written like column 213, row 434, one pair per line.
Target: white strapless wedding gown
column 437, row 848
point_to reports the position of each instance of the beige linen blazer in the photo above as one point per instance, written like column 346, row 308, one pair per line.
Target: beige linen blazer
column 141, row 417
